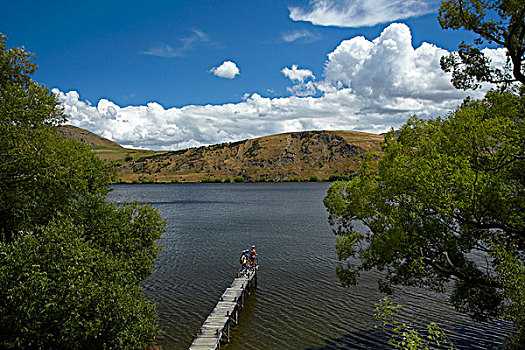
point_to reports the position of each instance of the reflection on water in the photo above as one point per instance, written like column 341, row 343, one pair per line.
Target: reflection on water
column 299, row 303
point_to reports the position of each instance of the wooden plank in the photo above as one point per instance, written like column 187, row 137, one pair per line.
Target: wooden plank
column 243, row 284
column 203, row 347
column 204, row 341
column 216, row 318
column 221, row 312
column 226, row 305
column 221, row 320
column 215, row 325
column 232, row 292
column 212, row 329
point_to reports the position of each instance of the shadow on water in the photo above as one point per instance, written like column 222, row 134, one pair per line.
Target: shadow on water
column 463, row 339
column 243, row 325
column 363, row 339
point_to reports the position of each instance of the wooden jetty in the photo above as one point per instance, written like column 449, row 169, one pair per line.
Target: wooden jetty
column 216, row 329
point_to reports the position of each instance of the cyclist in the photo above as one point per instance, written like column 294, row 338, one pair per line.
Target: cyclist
column 252, row 255
column 244, row 260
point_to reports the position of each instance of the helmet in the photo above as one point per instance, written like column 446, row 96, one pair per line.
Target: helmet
column 253, row 246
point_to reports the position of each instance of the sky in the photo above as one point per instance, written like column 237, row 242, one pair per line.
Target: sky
column 168, row 75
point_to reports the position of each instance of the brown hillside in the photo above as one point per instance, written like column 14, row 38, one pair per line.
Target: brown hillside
column 281, row 157
column 75, row 133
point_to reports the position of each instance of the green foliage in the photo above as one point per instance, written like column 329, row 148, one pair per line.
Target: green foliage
column 129, row 231
column 498, row 22
column 210, row 180
column 430, row 202
column 314, row 178
column 405, row 337
column 227, row 180
column 71, row 263
column 41, row 173
column 263, row 178
column 238, row 179
column 511, row 271
column 58, row 290
column 24, row 102
column 128, row 159
column 337, row 177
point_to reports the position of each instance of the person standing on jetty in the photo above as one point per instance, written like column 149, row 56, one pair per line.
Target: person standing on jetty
column 253, row 254
column 244, row 259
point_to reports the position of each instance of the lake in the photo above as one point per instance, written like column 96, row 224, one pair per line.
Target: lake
column 299, row 302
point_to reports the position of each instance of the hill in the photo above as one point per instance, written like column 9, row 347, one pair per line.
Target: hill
column 298, row 156
column 106, row 149
column 75, row 133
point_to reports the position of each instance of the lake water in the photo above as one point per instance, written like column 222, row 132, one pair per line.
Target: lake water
column 299, row 302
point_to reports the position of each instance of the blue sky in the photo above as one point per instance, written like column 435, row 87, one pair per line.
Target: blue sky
column 142, row 73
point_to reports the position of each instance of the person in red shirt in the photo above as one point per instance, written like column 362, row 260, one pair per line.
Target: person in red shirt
column 253, row 255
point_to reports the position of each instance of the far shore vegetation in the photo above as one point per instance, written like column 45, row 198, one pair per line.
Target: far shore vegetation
column 237, row 179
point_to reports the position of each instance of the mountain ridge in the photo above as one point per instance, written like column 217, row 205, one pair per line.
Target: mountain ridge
column 291, row 156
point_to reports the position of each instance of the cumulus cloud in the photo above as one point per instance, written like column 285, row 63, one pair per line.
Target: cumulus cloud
column 227, row 69
column 303, row 89
column 299, row 76
column 367, row 85
column 361, row 13
column 389, row 68
column 296, row 74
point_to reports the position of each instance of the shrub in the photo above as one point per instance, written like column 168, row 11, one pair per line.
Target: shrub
column 61, row 291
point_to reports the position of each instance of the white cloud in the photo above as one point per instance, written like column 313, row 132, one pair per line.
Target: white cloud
column 299, row 76
column 187, row 43
column 295, row 74
column 227, row 69
column 368, row 86
column 389, row 68
column 361, row 13
column 303, row 89
column 303, row 35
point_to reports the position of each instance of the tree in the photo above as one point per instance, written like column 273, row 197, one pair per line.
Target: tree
column 498, row 22
column 511, row 270
column 430, row 204
column 41, row 173
column 71, row 263
column 60, row 291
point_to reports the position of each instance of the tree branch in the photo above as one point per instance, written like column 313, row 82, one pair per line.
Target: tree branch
column 456, row 272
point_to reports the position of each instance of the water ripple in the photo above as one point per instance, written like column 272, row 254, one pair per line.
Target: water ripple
column 299, row 302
